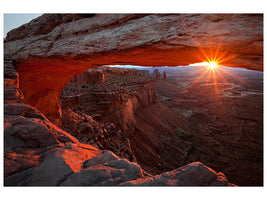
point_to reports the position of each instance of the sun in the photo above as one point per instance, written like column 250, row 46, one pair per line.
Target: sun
column 212, row 65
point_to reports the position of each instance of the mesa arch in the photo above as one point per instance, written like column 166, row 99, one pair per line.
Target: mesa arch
column 49, row 50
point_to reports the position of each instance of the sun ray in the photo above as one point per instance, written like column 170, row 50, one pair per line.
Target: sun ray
column 216, row 86
column 208, row 77
column 211, row 62
column 217, row 50
column 200, row 76
column 232, row 75
column 200, row 48
column 221, row 76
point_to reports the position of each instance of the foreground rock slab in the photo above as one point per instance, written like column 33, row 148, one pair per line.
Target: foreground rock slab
column 193, row 174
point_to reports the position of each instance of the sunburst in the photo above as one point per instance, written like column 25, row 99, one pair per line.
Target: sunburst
column 212, row 60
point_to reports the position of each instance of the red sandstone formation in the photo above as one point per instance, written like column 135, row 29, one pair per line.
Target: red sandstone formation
column 97, row 76
column 157, row 40
column 49, row 50
column 146, row 40
column 156, row 74
column 164, row 76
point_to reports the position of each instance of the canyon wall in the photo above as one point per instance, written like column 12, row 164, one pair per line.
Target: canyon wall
column 96, row 76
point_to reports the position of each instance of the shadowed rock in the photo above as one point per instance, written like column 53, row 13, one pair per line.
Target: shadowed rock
column 193, row 174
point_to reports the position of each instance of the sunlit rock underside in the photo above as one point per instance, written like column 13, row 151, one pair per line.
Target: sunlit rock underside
column 49, row 50
column 42, row 56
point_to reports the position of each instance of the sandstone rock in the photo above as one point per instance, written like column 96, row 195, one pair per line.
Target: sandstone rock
column 148, row 40
column 12, row 94
column 101, row 135
column 30, row 132
column 164, row 76
column 27, row 135
column 68, row 167
column 156, row 74
column 145, row 123
column 106, row 169
column 123, row 92
column 70, row 164
column 39, row 25
column 10, row 73
column 19, row 109
column 193, row 174
column 59, row 164
column 96, row 76
column 51, row 172
column 166, row 35
column 13, row 82
column 19, row 162
column 25, row 127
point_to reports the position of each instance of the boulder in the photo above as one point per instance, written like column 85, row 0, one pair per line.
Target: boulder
column 193, row 174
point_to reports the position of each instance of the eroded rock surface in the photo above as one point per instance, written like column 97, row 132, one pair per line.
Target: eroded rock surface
column 164, row 34
column 38, row 153
column 123, row 115
column 59, row 46
column 193, row 174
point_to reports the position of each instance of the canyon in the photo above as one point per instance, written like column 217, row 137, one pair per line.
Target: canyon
column 40, row 60
column 133, row 123
column 188, row 121
column 224, row 111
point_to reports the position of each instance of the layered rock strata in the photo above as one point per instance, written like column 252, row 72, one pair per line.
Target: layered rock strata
column 143, row 130
column 58, row 46
column 153, row 39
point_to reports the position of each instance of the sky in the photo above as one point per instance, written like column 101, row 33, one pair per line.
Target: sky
column 12, row 21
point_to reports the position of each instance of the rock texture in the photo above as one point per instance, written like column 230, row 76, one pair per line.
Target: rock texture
column 104, row 112
column 161, row 36
column 39, row 47
column 96, row 76
column 123, row 115
column 182, row 176
column 38, row 153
